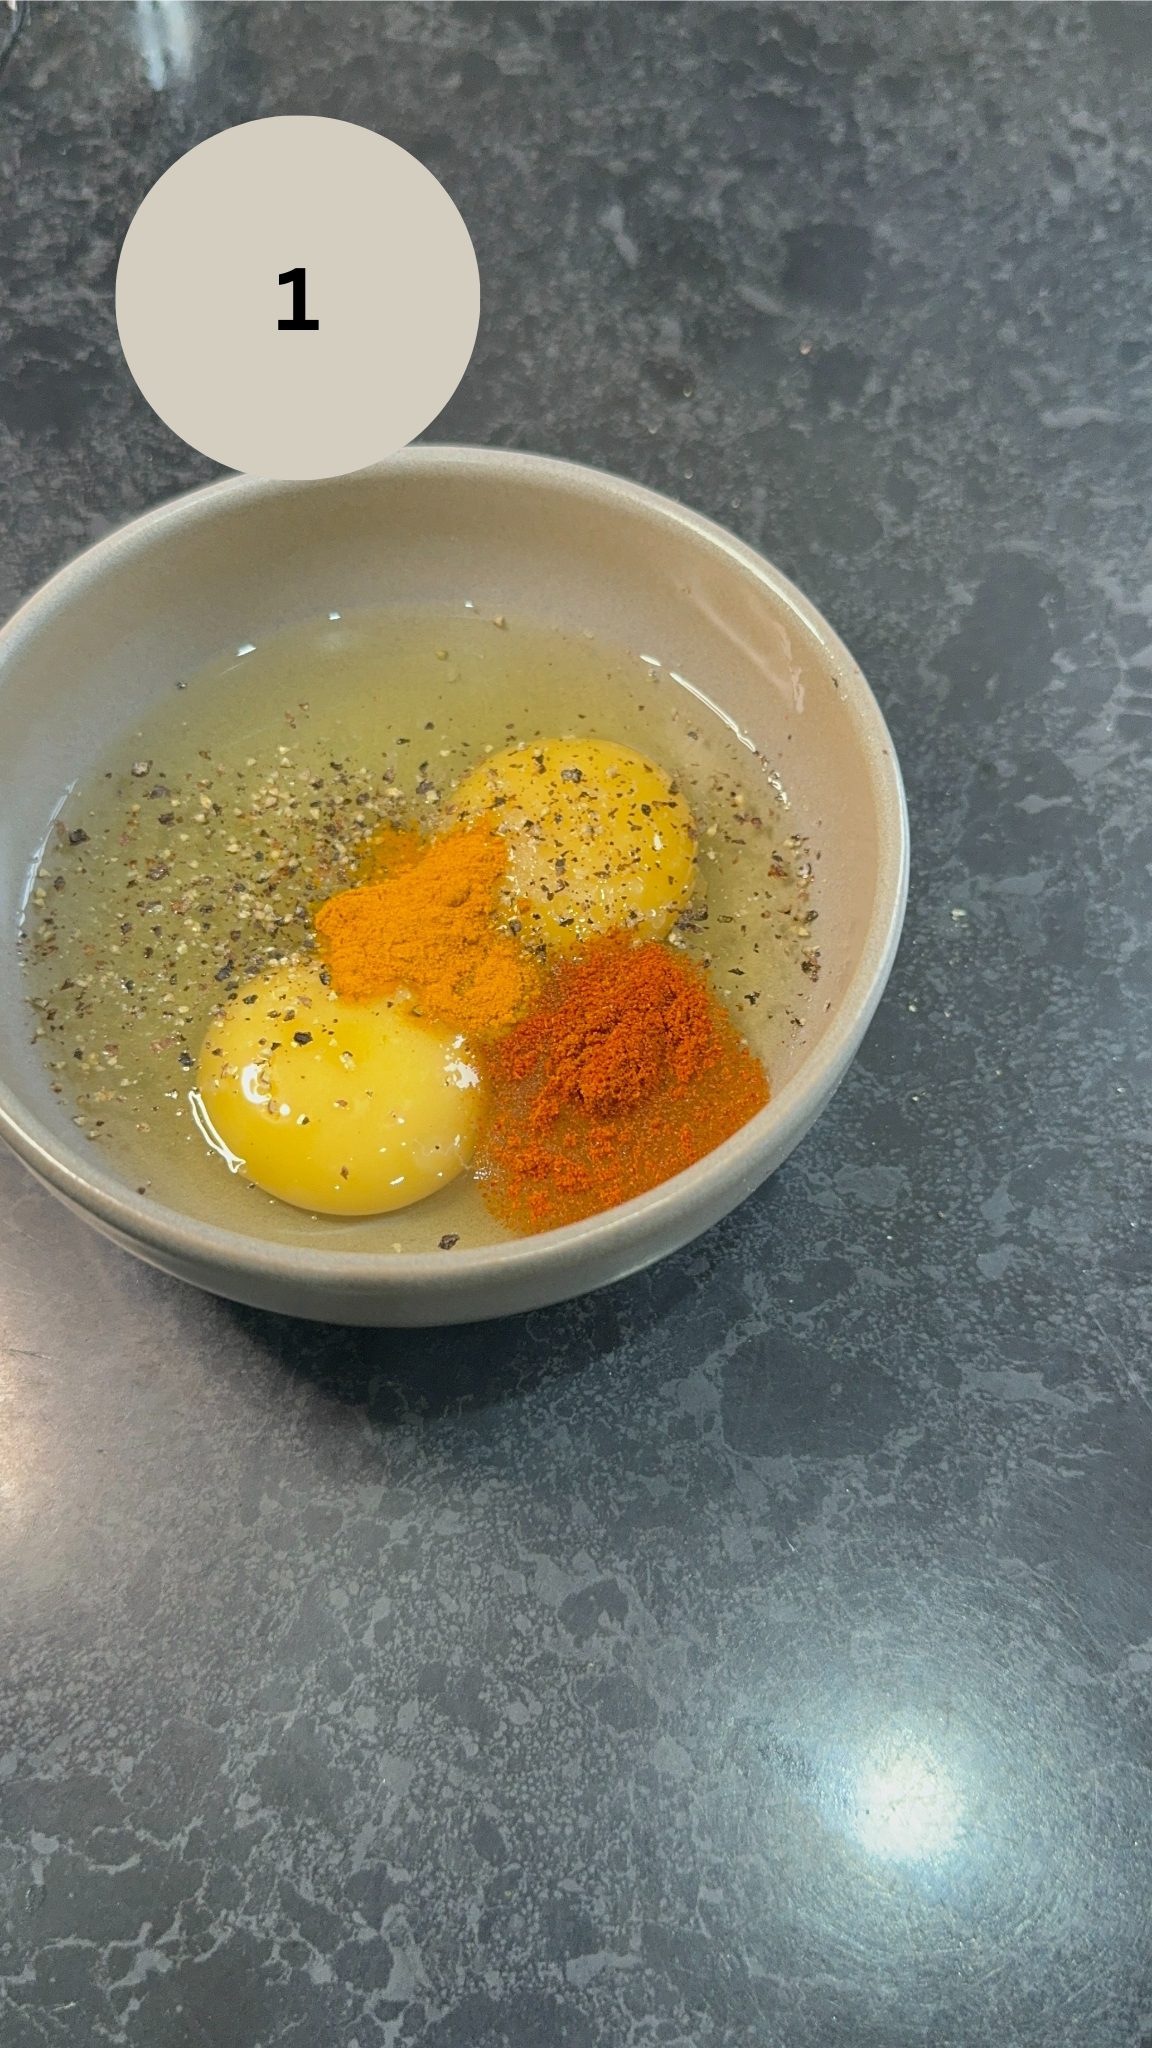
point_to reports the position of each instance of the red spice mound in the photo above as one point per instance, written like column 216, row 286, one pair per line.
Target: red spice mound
column 629, row 1070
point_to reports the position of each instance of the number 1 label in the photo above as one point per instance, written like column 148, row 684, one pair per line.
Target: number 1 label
column 298, row 324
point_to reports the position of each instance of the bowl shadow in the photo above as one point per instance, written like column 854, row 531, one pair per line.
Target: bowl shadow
column 400, row 1377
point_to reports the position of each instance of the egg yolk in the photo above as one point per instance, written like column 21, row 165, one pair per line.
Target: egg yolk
column 598, row 838
column 350, row 1109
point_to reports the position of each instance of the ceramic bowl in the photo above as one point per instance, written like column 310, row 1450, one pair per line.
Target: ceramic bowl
column 84, row 659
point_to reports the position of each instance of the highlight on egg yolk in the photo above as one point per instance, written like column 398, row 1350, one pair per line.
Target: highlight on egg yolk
column 599, row 839
column 350, row 1109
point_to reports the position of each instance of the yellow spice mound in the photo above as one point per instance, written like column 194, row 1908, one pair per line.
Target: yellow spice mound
column 429, row 927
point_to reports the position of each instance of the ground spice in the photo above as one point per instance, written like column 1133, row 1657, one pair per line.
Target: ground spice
column 628, row 1071
column 430, row 927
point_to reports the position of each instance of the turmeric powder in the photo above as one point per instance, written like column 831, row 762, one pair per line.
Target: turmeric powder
column 430, row 927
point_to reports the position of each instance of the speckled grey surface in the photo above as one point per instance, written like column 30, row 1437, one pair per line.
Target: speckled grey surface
column 761, row 1652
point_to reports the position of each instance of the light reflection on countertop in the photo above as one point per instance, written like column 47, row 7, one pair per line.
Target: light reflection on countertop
column 166, row 38
column 904, row 1807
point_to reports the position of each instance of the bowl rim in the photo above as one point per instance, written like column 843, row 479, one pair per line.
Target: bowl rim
column 83, row 1181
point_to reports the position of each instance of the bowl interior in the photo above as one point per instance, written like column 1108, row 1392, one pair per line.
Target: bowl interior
column 556, row 545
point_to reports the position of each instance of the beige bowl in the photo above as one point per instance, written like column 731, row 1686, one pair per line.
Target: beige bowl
column 84, row 659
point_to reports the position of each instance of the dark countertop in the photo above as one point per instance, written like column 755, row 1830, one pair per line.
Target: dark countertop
column 760, row 1652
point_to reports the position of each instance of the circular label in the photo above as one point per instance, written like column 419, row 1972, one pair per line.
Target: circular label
column 297, row 297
